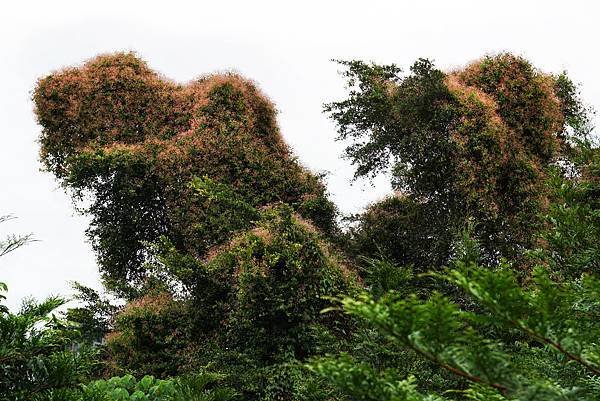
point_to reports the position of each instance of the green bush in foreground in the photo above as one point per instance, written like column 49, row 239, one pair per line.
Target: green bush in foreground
column 37, row 353
column 199, row 387
column 524, row 341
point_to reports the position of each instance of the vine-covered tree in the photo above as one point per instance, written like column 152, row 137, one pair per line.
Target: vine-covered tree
column 117, row 133
column 474, row 143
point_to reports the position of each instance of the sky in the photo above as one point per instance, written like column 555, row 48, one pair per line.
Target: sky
column 285, row 47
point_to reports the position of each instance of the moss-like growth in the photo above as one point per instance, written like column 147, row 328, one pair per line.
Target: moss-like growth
column 116, row 130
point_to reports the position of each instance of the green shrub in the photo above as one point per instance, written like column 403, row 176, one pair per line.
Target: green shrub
column 203, row 386
column 152, row 335
column 277, row 278
column 128, row 388
column 39, row 352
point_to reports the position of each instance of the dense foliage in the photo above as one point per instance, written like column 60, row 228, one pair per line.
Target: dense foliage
column 519, row 337
column 35, row 352
column 227, row 277
column 474, row 143
column 256, row 300
column 532, row 343
column 132, row 141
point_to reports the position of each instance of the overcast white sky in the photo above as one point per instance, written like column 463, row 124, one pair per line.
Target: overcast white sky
column 284, row 46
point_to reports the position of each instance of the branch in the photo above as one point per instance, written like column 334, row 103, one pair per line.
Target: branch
column 558, row 346
column 14, row 242
column 457, row 371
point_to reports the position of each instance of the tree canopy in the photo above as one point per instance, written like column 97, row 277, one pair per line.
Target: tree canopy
column 132, row 142
column 474, row 143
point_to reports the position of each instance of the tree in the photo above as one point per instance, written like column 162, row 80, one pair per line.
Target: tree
column 572, row 238
column 94, row 315
column 398, row 228
column 514, row 337
column 474, row 143
column 116, row 132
